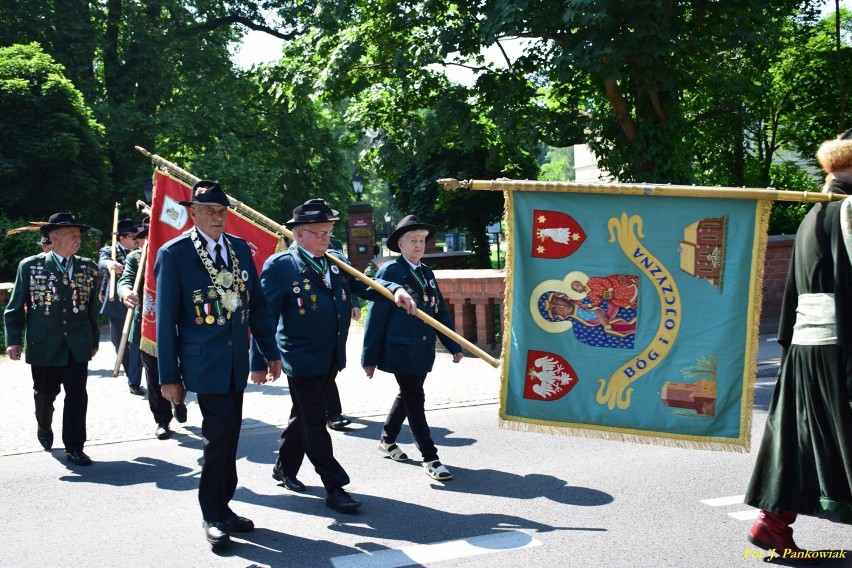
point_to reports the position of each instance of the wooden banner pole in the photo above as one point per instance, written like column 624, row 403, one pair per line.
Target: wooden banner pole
column 244, row 209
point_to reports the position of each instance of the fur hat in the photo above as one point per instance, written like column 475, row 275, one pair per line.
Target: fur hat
column 835, row 155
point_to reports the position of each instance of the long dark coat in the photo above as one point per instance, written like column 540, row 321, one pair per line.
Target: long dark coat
column 805, row 459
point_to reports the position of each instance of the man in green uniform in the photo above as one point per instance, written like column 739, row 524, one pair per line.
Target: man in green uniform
column 160, row 407
column 54, row 303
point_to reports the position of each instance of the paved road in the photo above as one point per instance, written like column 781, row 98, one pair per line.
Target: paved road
column 519, row 499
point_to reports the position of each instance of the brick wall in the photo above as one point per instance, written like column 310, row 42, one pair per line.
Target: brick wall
column 778, row 252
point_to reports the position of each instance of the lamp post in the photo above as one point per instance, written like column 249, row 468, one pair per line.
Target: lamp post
column 361, row 234
column 357, row 186
column 147, row 191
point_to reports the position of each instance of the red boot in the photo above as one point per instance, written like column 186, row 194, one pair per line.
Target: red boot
column 772, row 531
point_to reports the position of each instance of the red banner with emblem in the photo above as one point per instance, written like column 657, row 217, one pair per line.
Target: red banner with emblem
column 170, row 219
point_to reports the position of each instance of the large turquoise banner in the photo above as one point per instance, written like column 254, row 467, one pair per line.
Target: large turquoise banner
column 633, row 317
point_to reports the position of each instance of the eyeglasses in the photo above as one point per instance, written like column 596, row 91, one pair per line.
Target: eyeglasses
column 320, row 235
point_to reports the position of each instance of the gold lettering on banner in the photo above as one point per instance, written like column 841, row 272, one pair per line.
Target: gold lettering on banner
column 615, row 392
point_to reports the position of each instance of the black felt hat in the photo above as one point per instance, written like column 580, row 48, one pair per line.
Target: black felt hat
column 207, row 192
column 409, row 223
column 125, row 227
column 62, row 220
column 143, row 230
column 312, row 211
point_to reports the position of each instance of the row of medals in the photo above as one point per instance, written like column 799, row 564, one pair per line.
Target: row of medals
column 43, row 290
column 223, row 284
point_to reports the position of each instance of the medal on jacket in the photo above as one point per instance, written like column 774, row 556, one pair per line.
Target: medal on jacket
column 314, row 300
column 320, row 266
column 227, row 284
column 208, row 309
column 197, row 300
column 301, row 302
column 64, row 269
column 427, row 299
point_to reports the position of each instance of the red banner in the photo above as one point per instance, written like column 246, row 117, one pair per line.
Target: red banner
column 170, row 219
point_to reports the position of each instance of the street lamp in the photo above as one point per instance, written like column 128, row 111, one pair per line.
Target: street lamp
column 357, row 186
column 148, row 190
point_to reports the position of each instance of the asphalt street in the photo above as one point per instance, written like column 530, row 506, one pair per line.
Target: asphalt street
column 518, row 499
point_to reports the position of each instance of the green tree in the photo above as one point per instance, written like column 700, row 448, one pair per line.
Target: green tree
column 51, row 152
column 611, row 74
column 158, row 74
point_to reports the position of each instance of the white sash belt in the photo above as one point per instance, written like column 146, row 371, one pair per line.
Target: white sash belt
column 815, row 320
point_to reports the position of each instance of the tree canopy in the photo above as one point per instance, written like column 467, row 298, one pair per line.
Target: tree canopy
column 51, row 146
column 660, row 90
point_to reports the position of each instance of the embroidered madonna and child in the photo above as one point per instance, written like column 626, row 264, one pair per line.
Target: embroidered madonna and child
column 600, row 310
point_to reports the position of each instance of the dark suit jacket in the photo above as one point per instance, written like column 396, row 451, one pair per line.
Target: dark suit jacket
column 113, row 309
column 313, row 320
column 205, row 355
column 43, row 305
column 396, row 342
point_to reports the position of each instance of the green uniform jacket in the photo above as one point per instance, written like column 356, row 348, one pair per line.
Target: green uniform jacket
column 58, row 314
column 125, row 285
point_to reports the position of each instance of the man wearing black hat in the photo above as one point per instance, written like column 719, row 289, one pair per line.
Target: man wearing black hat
column 54, row 303
column 208, row 298
column 312, row 298
column 405, row 346
column 113, row 308
column 160, row 407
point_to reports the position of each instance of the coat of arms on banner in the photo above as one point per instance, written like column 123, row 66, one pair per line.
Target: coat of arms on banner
column 557, row 234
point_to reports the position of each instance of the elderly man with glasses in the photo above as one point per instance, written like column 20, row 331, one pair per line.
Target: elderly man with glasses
column 312, row 298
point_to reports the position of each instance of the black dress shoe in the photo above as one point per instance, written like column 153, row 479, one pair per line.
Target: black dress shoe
column 339, row 500
column 137, row 390
column 338, row 422
column 180, row 412
column 45, row 438
column 235, row 523
column 163, row 432
column 215, row 533
column 78, row 457
column 290, row 483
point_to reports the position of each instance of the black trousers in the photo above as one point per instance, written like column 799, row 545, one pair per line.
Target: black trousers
column 409, row 403
column 222, row 416
column 332, row 400
column 47, row 382
column 131, row 361
column 160, row 407
column 306, row 432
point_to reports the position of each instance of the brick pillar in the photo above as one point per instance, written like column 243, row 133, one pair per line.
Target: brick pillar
column 361, row 235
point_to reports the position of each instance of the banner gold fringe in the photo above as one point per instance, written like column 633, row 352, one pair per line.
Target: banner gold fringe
column 741, row 444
